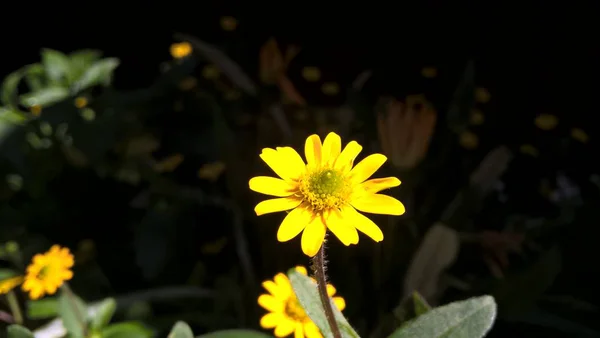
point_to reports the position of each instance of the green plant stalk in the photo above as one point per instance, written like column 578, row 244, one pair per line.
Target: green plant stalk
column 13, row 303
column 318, row 266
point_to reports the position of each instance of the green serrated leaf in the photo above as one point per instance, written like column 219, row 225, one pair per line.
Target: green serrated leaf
column 126, row 330
column 81, row 60
column 98, row 73
column 18, row 331
column 420, row 303
column 35, row 76
column 10, row 88
column 235, row 334
column 308, row 296
column 104, row 313
column 181, row 330
column 42, row 308
column 45, row 97
column 471, row 318
column 72, row 311
column 57, row 66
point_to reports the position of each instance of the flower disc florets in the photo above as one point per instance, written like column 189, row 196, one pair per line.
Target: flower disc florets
column 325, row 188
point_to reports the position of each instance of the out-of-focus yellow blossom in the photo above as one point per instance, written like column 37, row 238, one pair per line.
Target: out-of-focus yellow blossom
column 48, row 271
column 326, row 192
column 482, row 95
column 530, row 150
column 546, row 121
column 229, row 23
column 36, row 110
column 180, row 50
column 468, row 140
column 211, row 171
column 476, row 117
column 429, row 72
column 286, row 315
column 311, row 74
column 81, row 102
column 579, row 135
column 10, row 283
column 169, row 164
column 330, row 88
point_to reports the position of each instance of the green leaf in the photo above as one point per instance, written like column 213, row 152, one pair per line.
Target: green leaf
column 57, row 66
column 44, row 97
column 235, row 334
column 99, row 73
column 420, row 303
column 104, row 313
column 35, row 76
column 6, row 274
column 308, row 296
column 73, row 312
column 471, row 318
column 81, row 60
column 10, row 88
column 42, row 308
column 18, row 331
column 12, row 116
column 126, row 330
column 181, row 330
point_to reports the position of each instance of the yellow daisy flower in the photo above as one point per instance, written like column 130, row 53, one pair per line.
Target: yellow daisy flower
column 9, row 284
column 286, row 315
column 48, row 271
column 325, row 193
column 180, row 50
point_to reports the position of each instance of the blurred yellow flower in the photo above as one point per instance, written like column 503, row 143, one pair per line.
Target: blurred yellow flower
column 181, row 50
column 81, row 102
column 286, row 315
column 476, row 117
column 579, row 135
column 36, row 110
column 311, row 74
column 330, row 88
column 530, row 150
column 468, row 140
column 482, row 95
column 228, row 23
column 325, row 193
column 211, row 171
column 169, row 164
column 546, row 121
column 48, row 271
column 9, row 284
column 429, row 72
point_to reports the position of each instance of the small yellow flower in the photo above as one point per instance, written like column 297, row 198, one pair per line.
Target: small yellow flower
column 579, row 135
column 36, row 110
column 530, row 150
column 311, row 74
column 477, row 117
column 9, row 284
column 48, row 271
column 181, row 50
column 286, row 315
column 468, row 140
column 81, row 102
column 546, row 121
column 169, row 164
column 228, row 23
column 429, row 72
column 482, row 95
column 330, row 88
column 325, row 193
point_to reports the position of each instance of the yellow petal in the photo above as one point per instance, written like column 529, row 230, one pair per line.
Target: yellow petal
column 276, row 204
column 312, row 150
column 278, row 164
column 364, row 224
column 377, row 184
column 379, row 204
column 313, row 236
column 330, row 290
column 367, row 167
column 299, row 333
column 272, row 186
column 292, row 160
column 293, row 224
column 345, row 161
column 272, row 288
column 283, row 283
column 342, row 228
column 270, row 320
column 311, row 330
column 340, row 303
column 332, row 147
column 302, row 270
column 285, row 327
column 271, row 303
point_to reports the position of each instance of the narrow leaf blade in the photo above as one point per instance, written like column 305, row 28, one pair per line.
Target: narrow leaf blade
column 181, row 330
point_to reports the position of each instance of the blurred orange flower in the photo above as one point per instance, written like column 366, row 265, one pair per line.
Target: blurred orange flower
column 180, row 50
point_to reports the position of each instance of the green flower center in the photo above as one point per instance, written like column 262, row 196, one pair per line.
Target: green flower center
column 325, row 189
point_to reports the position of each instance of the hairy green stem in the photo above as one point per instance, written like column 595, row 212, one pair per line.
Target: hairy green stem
column 318, row 265
column 13, row 303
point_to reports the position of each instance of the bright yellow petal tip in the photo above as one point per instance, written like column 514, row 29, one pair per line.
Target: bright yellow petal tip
column 47, row 272
column 325, row 191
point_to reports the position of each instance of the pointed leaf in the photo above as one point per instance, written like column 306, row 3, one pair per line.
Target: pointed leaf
column 34, row 76
column 308, row 296
column 471, row 318
column 105, row 311
column 181, row 330
column 57, row 66
column 42, row 308
column 72, row 311
column 420, row 303
column 81, row 60
column 10, row 88
column 99, row 73
column 45, row 97
column 18, row 331
column 235, row 334
column 126, row 330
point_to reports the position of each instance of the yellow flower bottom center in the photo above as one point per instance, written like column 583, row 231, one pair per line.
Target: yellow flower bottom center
column 325, row 188
column 294, row 310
